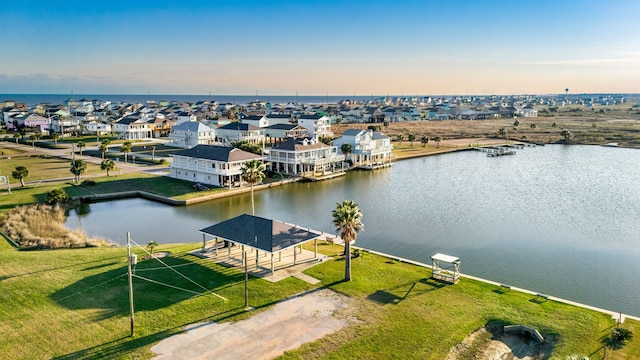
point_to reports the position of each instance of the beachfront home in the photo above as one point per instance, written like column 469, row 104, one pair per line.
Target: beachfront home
column 369, row 149
column 317, row 125
column 236, row 131
column 212, row 165
column 190, row 134
column 305, row 157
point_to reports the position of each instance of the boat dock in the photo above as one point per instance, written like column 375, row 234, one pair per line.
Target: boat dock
column 493, row 151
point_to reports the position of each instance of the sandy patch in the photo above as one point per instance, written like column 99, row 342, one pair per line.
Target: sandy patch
column 481, row 344
column 267, row 334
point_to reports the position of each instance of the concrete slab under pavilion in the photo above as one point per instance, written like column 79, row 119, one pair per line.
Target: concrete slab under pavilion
column 273, row 248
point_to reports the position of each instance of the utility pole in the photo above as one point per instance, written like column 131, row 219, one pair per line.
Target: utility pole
column 129, row 261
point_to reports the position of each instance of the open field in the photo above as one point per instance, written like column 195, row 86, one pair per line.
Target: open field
column 42, row 168
column 73, row 304
column 602, row 125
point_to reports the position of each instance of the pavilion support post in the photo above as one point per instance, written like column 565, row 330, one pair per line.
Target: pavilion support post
column 204, row 242
column 315, row 248
column 229, row 252
column 257, row 258
column 295, row 256
column 272, row 265
column 215, row 247
column 279, row 255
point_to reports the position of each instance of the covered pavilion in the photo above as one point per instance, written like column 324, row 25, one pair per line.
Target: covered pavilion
column 260, row 234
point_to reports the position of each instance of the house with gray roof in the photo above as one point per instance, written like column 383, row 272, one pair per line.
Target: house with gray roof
column 191, row 133
column 211, row 164
column 306, row 157
column 235, row 131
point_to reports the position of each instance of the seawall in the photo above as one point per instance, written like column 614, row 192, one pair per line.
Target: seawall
column 614, row 314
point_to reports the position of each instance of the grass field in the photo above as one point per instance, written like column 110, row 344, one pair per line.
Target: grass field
column 70, row 304
column 598, row 125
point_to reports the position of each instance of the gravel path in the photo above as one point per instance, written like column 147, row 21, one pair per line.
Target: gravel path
column 267, row 334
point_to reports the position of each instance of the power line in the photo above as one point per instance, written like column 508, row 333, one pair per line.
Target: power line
column 179, row 273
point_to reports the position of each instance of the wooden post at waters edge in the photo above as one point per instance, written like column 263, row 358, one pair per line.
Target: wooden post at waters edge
column 130, row 281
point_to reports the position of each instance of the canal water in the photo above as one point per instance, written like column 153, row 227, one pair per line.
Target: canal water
column 560, row 220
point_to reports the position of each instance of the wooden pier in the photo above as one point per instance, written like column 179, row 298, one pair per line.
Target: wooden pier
column 493, row 151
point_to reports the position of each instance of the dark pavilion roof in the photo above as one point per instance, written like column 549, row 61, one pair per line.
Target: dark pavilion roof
column 218, row 153
column 263, row 234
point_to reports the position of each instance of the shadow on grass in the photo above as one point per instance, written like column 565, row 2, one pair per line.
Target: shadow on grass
column 154, row 286
column 65, row 267
column 122, row 347
column 402, row 292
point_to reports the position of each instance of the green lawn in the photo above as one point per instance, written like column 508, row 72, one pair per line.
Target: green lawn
column 74, row 304
column 41, row 168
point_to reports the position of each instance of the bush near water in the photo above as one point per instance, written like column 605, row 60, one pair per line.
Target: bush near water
column 41, row 226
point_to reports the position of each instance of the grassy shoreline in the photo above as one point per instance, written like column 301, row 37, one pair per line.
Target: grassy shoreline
column 74, row 304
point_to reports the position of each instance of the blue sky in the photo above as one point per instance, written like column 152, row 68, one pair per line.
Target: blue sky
column 319, row 47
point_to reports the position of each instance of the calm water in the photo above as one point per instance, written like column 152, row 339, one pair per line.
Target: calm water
column 561, row 220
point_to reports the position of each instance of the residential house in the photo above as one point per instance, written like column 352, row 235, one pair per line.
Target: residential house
column 131, row 127
column 369, row 149
column 317, row 125
column 31, row 121
column 210, row 164
column 283, row 131
column 273, row 119
column 190, row 134
column 236, row 131
column 305, row 157
column 255, row 120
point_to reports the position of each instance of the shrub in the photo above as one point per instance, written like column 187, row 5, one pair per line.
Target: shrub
column 42, row 227
column 621, row 335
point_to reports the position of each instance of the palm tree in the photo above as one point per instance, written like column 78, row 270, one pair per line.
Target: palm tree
column 566, row 134
column 20, row 173
column 412, row 138
column 108, row 165
column 34, row 138
column 153, row 153
column 16, row 136
column 56, row 136
column 78, row 167
column 80, row 145
column 502, row 132
column 253, row 173
column 151, row 246
column 347, row 220
column 424, row 140
column 554, row 125
column 533, row 125
column 346, row 149
column 104, row 146
column 437, row 139
column 399, row 138
column 126, row 148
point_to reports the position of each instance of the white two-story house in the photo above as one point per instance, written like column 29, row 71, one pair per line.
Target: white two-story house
column 369, row 149
column 317, row 125
column 236, row 131
column 212, row 165
column 191, row 133
column 305, row 157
